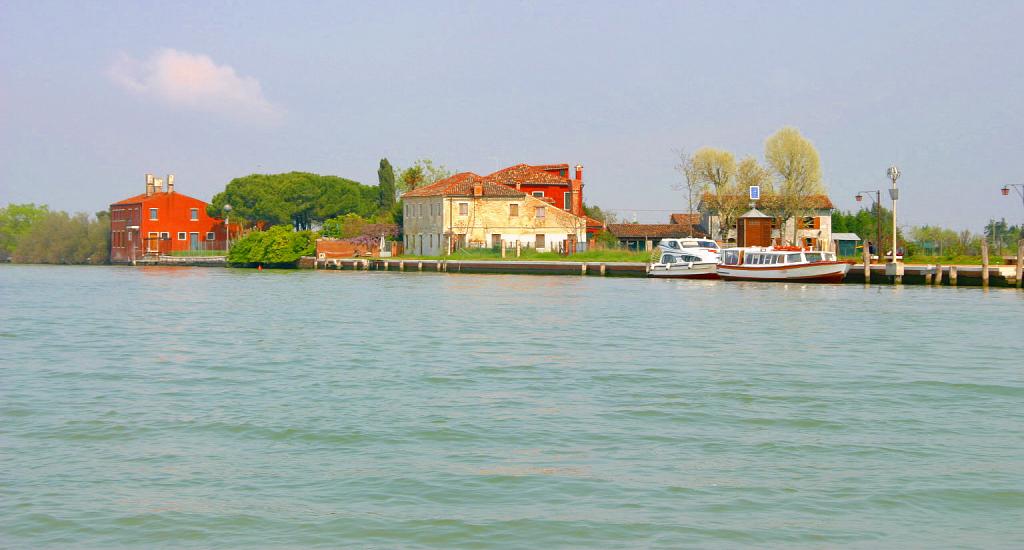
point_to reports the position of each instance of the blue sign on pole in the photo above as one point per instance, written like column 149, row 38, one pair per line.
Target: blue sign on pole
column 755, row 192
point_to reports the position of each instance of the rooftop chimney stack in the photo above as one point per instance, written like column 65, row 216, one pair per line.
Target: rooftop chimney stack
column 579, row 171
column 170, row 183
column 478, row 189
column 149, row 185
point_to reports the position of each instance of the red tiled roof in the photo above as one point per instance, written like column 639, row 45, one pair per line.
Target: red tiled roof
column 684, row 219
column 132, row 200
column 645, row 230
column 524, row 173
column 157, row 194
column 461, row 185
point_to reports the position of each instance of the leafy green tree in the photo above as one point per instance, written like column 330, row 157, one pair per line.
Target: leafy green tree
column 15, row 221
column 299, row 199
column 386, row 184
column 420, row 174
column 344, row 227
column 607, row 216
column 60, row 238
column 278, row 246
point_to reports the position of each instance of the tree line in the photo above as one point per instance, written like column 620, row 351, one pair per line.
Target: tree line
column 31, row 233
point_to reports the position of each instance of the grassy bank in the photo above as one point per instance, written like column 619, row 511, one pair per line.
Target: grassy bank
column 483, row 254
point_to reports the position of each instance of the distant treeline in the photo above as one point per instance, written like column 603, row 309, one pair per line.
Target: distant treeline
column 33, row 234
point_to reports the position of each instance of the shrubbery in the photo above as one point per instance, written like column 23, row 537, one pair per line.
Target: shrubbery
column 278, row 246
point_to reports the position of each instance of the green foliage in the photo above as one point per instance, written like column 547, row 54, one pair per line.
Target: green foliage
column 421, row 173
column 297, row 199
column 15, row 221
column 606, row 239
column 62, row 238
column 277, row 246
column 386, row 184
column 607, row 216
column 344, row 227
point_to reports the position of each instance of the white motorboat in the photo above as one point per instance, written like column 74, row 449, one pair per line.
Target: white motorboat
column 781, row 263
column 687, row 263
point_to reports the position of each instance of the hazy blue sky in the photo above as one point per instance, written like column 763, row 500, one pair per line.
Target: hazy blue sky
column 936, row 87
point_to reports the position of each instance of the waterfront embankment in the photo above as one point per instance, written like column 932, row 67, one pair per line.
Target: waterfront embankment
column 956, row 275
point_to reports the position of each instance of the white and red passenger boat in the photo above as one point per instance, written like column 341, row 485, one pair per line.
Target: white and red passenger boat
column 781, row 263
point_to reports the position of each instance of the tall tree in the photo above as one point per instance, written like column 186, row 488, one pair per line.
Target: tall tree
column 386, row 184
column 715, row 168
column 690, row 183
column 795, row 163
column 422, row 173
column 15, row 221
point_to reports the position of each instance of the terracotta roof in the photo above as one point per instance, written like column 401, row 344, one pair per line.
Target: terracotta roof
column 646, row 230
column 684, row 219
column 461, row 185
column 132, row 200
column 524, row 173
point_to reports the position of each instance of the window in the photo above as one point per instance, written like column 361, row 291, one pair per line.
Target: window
column 540, row 241
column 539, row 212
column 165, row 236
column 152, row 213
column 193, row 214
column 210, row 236
column 793, row 258
column 463, row 208
column 513, row 210
column 668, row 259
column 182, row 236
column 538, row 194
column 567, row 200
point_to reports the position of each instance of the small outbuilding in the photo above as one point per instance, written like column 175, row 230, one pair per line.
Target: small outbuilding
column 846, row 243
column 754, row 229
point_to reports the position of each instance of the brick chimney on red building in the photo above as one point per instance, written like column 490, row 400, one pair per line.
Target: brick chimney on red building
column 576, row 187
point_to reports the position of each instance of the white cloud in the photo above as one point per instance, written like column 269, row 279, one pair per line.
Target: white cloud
column 194, row 81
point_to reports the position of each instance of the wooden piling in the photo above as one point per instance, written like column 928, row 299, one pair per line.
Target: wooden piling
column 938, row 275
column 867, row 265
column 401, row 265
column 419, row 265
column 928, row 275
column 984, row 262
column 1019, row 272
column 952, row 275
column 583, row 268
column 604, row 270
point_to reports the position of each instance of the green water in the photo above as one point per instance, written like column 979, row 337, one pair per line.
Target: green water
column 204, row 408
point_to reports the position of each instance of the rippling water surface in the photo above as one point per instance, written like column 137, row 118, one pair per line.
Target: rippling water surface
column 210, row 407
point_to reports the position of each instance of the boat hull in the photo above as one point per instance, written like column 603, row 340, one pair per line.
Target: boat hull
column 818, row 272
column 705, row 271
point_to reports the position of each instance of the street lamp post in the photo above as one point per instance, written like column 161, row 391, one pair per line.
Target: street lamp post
column 878, row 217
column 227, row 229
column 894, row 174
column 1018, row 187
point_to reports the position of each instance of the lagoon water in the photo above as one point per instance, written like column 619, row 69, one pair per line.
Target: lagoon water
column 183, row 407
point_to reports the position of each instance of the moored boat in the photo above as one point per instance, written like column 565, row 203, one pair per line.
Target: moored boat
column 686, row 263
column 781, row 263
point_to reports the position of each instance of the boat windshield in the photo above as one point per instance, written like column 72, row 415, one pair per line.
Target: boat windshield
column 731, row 257
column 813, row 256
column 708, row 244
column 793, row 258
column 668, row 259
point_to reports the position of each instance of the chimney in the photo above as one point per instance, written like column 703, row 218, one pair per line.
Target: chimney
column 158, row 185
column 149, row 185
column 579, row 171
column 478, row 189
column 170, row 183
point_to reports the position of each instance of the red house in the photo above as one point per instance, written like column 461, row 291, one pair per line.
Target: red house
column 161, row 221
column 550, row 183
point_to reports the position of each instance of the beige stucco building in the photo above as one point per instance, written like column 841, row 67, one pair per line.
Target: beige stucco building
column 466, row 210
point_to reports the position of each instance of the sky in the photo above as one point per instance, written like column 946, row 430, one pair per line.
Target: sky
column 93, row 95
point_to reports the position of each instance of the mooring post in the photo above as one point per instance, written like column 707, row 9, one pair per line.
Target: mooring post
column 420, row 265
column 1020, row 262
column 952, row 275
column 984, row 262
column 401, row 265
column 938, row 275
column 867, row 265
column 583, row 268
column 604, row 270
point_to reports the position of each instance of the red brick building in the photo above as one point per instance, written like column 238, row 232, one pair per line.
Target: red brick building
column 161, row 221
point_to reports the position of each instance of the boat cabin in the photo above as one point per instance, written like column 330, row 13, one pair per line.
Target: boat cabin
column 770, row 256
